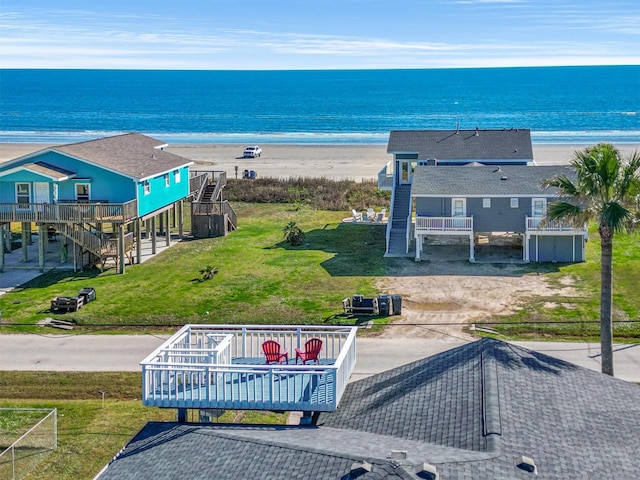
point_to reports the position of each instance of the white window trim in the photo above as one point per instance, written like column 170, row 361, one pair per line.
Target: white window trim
column 486, row 203
column 176, row 176
column 464, row 207
column 146, row 185
column 544, row 207
column 28, row 191
column 88, row 185
column 167, row 180
column 515, row 203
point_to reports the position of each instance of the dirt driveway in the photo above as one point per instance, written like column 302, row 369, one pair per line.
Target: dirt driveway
column 459, row 293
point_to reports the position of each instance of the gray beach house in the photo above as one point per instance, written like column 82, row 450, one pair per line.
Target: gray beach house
column 473, row 186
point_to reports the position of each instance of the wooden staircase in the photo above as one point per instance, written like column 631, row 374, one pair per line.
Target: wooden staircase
column 103, row 246
column 208, row 203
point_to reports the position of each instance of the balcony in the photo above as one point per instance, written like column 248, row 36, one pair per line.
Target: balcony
column 541, row 226
column 385, row 177
column 223, row 367
column 69, row 212
column 443, row 225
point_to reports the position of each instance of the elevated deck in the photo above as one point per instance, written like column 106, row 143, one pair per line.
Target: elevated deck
column 222, row 366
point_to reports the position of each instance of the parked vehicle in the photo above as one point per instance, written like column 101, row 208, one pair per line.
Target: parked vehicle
column 252, row 151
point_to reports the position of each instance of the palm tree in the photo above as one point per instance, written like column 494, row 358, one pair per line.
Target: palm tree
column 604, row 190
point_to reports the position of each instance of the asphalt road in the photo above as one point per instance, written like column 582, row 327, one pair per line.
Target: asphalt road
column 125, row 352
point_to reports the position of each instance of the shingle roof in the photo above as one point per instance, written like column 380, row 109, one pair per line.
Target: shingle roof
column 508, row 144
column 470, row 411
column 131, row 154
column 484, row 180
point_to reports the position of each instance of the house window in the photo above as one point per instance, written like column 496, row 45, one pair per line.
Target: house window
column 23, row 195
column 486, row 203
column 538, row 207
column 82, row 192
column 166, row 180
column 147, row 187
column 458, row 207
column 514, row 203
column 176, row 176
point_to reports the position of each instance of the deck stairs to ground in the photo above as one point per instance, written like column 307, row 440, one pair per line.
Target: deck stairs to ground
column 89, row 238
column 400, row 211
column 208, row 200
column 208, row 193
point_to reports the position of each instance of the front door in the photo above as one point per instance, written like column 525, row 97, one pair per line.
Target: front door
column 41, row 192
column 405, row 168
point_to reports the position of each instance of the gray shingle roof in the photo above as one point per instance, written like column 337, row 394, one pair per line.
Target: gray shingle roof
column 470, row 411
column 483, row 180
column 131, row 154
column 507, row 144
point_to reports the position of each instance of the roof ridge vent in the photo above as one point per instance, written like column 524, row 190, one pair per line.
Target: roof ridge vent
column 527, row 464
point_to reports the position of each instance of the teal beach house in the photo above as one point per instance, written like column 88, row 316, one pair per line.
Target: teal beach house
column 100, row 196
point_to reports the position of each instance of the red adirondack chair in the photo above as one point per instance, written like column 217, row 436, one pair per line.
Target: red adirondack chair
column 311, row 351
column 274, row 353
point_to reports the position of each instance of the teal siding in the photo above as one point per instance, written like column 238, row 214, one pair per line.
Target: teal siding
column 160, row 194
column 104, row 184
column 8, row 185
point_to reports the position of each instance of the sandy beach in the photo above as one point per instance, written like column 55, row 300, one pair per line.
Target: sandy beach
column 357, row 162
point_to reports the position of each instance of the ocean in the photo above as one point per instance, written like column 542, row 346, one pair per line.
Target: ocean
column 559, row 104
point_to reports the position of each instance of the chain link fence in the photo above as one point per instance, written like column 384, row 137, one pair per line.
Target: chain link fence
column 36, row 431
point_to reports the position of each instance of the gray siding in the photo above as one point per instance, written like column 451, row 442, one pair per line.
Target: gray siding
column 555, row 249
column 499, row 218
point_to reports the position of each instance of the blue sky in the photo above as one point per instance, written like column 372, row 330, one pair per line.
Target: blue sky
column 316, row 34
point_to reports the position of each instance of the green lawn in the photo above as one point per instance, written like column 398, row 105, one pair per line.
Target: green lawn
column 263, row 280
column 260, row 278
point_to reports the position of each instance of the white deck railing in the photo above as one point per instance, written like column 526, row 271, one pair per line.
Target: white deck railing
column 540, row 224
column 443, row 224
column 385, row 177
column 222, row 366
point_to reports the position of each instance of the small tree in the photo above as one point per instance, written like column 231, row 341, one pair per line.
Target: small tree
column 292, row 234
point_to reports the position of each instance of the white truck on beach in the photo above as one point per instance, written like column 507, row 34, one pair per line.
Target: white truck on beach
column 252, row 151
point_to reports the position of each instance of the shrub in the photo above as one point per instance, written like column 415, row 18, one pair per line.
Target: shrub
column 318, row 193
column 292, row 234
